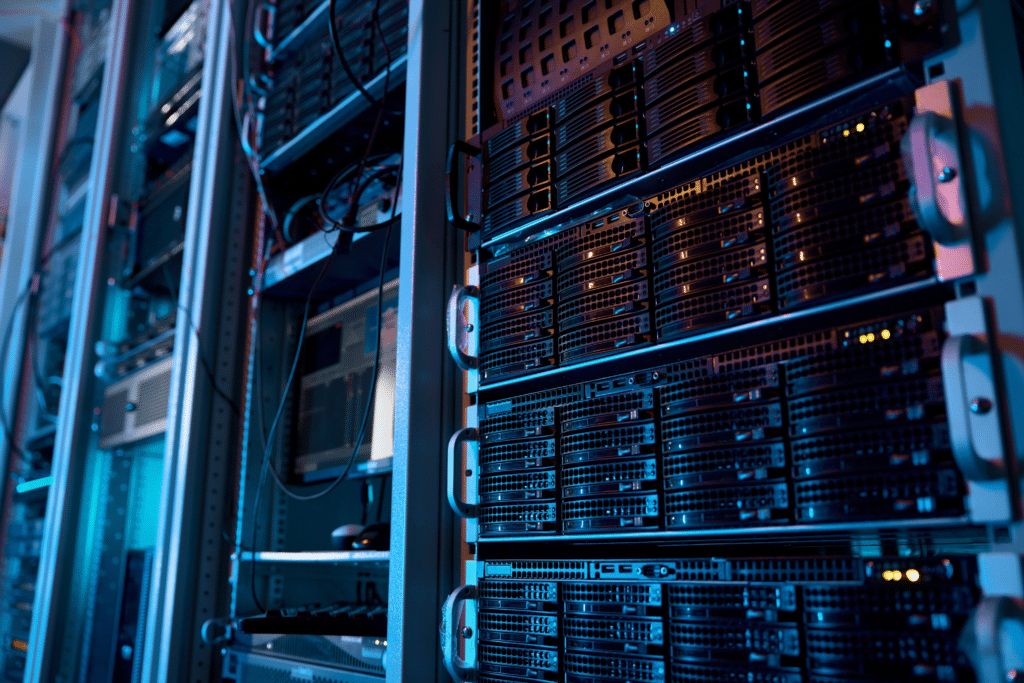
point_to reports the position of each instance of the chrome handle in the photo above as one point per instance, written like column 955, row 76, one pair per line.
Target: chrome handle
column 257, row 31
column 975, row 429
column 996, row 622
column 457, row 667
column 461, row 507
column 456, row 302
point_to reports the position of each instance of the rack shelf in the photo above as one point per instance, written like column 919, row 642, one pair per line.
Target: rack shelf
column 319, row 557
column 879, row 88
column 653, row 354
column 342, row 113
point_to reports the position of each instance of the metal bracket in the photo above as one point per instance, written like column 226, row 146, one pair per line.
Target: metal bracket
column 456, row 304
column 968, row 372
column 461, row 507
column 459, row 669
column 993, row 639
column 218, row 631
column 931, row 152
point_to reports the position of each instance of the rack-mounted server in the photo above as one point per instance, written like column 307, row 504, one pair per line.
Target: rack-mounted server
column 711, row 304
column 595, row 93
column 782, row 619
column 822, row 217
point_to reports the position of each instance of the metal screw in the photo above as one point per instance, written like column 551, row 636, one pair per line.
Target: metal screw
column 469, row 328
column 1011, row 675
column 129, row 407
column 126, row 651
column 467, row 632
column 980, row 405
column 922, row 6
column 946, row 174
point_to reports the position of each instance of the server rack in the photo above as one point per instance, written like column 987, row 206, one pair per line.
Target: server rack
column 111, row 188
column 731, row 333
column 276, row 600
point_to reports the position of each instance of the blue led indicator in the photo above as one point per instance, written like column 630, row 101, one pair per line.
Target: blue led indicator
column 888, row 43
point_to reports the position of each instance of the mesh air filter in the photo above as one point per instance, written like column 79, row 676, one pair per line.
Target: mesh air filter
column 610, row 513
column 868, row 268
column 721, row 270
column 538, row 570
column 497, row 426
column 724, row 465
column 728, row 505
column 613, row 634
column 516, row 360
column 522, row 455
column 617, row 442
column 748, row 423
column 583, row 668
column 516, row 330
column 856, row 407
column 843, row 233
column 685, row 242
column 609, row 477
column 605, row 337
column 601, row 305
column 851, row 192
column 903, row 494
column 521, row 267
column 882, row 449
column 600, row 238
column 516, row 302
column 731, row 640
column 713, row 309
column 723, row 389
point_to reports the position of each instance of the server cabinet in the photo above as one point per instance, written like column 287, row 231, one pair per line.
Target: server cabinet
column 113, row 220
column 334, row 203
column 737, row 334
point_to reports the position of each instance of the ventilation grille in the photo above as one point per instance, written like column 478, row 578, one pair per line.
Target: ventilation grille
column 602, row 304
column 695, row 275
column 712, row 309
column 686, row 242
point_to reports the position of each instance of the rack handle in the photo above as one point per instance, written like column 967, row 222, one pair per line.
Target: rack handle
column 996, row 621
column 456, row 303
column 975, row 431
column 270, row 11
column 457, row 667
column 457, row 219
column 459, row 506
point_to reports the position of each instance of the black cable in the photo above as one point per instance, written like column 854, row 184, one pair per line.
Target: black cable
column 378, row 104
column 199, row 350
column 369, row 401
column 277, row 418
column 349, row 219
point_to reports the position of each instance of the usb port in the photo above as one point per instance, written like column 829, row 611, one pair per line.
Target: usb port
column 639, row 47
